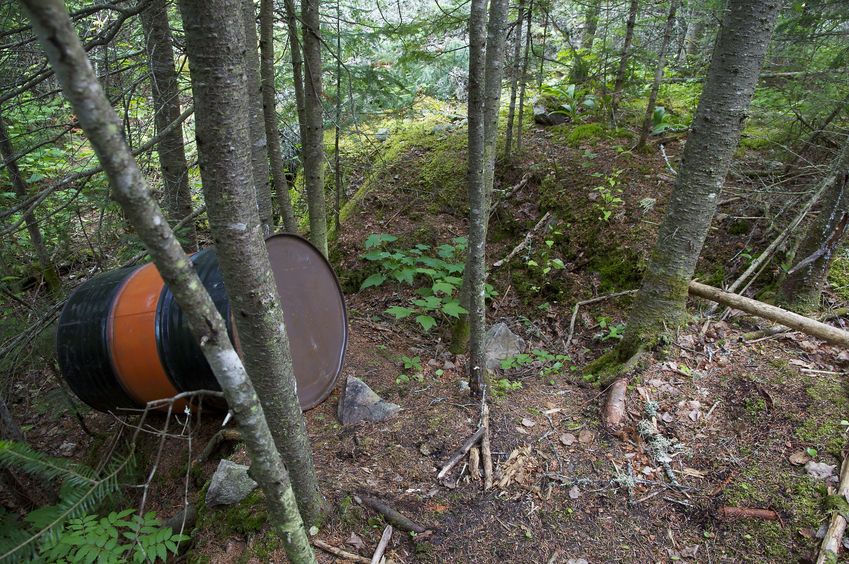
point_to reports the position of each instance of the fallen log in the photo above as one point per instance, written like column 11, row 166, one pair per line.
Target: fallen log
column 614, row 409
column 381, row 547
column 834, row 535
column 344, row 554
column 795, row 321
column 391, row 516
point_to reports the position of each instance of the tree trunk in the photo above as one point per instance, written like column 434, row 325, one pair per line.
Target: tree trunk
column 48, row 269
column 624, row 55
column 337, row 129
column 658, row 75
column 256, row 119
column 176, row 196
column 313, row 130
column 802, row 287
column 523, row 79
column 269, row 111
column 297, row 57
column 590, row 24
column 482, row 144
column 54, row 30
column 514, row 80
column 223, row 133
column 729, row 87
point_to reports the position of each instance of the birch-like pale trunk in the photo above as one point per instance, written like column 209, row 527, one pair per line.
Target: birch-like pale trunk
column 801, row 289
column 313, row 129
column 514, row 80
column 269, row 112
column 624, row 55
column 223, row 132
column 658, row 75
column 256, row 119
column 481, row 177
column 715, row 133
column 176, row 196
column 52, row 26
column 48, row 269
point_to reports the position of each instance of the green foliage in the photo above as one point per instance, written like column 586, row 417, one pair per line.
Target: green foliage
column 547, row 364
column 609, row 329
column 436, row 273
column 114, row 538
column 81, row 490
column 501, row 387
column 571, row 101
column 609, row 194
column 412, row 370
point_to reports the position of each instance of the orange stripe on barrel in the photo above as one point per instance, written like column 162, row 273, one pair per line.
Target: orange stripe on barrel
column 132, row 338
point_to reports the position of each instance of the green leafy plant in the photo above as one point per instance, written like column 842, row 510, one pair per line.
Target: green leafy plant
column 438, row 278
column 501, row 387
column 412, row 370
column 609, row 329
column 549, row 364
column 573, row 100
column 609, row 194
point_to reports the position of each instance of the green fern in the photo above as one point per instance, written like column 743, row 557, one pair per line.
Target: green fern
column 80, row 492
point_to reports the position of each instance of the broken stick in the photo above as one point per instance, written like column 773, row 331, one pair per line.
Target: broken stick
column 543, row 222
column 614, row 409
column 460, row 453
column 381, row 546
column 795, row 321
column 834, row 535
column 486, row 451
column 329, row 548
column 391, row 516
column 588, row 302
column 734, row 513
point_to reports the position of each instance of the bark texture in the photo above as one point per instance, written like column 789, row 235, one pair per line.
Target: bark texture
column 48, row 269
column 590, row 24
column 625, row 54
column 482, row 146
column 514, row 81
column 176, row 196
column 313, row 126
column 802, row 287
column 55, row 32
column 523, row 78
column 269, row 111
column 658, row 74
column 224, row 153
column 256, row 118
column 714, row 135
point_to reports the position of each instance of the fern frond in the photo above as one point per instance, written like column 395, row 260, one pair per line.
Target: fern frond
column 19, row 456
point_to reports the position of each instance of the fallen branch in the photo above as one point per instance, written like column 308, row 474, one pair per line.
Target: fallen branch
column 828, row 248
column 391, row 516
column 381, row 546
column 461, row 452
column 222, row 436
column 543, row 222
column 510, row 193
column 588, row 302
column 834, row 535
column 475, row 463
column 795, row 321
column 330, row 549
column 486, row 451
column 614, row 409
column 736, row 513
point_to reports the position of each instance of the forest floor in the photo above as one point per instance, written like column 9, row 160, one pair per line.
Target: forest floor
column 741, row 416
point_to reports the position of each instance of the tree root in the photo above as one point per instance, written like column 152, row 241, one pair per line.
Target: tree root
column 607, row 368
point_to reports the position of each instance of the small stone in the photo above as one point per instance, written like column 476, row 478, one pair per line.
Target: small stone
column 574, row 492
column 501, row 343
column 449, row 365
column 463, row 385
column 356, row 541
column 67, row 448
column 585, row 436
column 229, row 485
column 382, row 134
column 360, row 403
column 820, row 470
column 528, row 422
column 568, row 439
column 799, row 458
column 424, row 448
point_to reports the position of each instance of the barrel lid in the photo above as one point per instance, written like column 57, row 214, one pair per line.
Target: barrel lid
column 314, row 313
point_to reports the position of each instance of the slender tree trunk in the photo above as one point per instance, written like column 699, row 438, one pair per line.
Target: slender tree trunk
column 801, row 289
column 176, row 196
column 48, row 269
column 269, row 111
column 624, row 55
column 482, row 142
column 54, row 30
column 256, row 118
column 523, row 78
column 514, row 81
column 541, row 71
column 337, row 170
column 658, row 75
column 297, row 56
column 313, row 142
column 590, row 24
column 729, row 87
column 221, row 106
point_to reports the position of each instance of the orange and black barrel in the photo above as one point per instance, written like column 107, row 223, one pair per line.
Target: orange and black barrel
column 123, row 340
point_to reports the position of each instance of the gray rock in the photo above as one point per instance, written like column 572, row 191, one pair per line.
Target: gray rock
column 820, row 470
column 544, row 117
column 382, row 134
column 360, row 403
column 500, row 343
column 230, row 484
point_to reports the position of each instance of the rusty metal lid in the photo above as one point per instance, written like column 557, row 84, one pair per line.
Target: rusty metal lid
column 314, row 311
